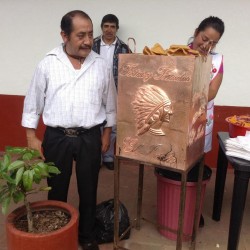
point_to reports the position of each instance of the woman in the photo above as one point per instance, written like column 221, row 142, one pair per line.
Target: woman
column 206, row 36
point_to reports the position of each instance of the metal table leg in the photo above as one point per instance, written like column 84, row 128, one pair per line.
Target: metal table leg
column 221, row 172
column 241, row 180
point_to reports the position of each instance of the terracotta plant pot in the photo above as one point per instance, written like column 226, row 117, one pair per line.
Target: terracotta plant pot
column 65, row 238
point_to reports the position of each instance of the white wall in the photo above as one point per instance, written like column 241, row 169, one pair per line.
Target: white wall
column 29, row 29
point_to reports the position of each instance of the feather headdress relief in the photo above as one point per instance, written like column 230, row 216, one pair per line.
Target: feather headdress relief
column 152, row 107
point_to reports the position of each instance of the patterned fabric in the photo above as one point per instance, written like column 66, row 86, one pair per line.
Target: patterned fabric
column 70, row 98
column 120, row 48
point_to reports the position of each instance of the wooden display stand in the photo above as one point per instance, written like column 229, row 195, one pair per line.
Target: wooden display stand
column 136, row 221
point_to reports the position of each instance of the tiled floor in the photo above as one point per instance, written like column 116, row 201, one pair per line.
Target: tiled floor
column 212, row 236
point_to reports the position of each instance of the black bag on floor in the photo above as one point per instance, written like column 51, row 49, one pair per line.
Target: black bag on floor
column 105, row 221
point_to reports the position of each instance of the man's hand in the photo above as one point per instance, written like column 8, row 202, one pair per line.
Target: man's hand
column 106, row 139
column 33, row 142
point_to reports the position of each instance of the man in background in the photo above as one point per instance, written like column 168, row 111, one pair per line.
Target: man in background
column 109, row 46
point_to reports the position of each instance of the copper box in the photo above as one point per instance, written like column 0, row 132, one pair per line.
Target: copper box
column 161, row 112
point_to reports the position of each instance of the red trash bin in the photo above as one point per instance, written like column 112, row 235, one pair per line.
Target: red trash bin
column 168, row 201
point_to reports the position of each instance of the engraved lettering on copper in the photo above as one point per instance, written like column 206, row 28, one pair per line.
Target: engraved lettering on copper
column 168, row 157
column 132, row 145
column 152, row 107
column 162, row 73
column 132, row 70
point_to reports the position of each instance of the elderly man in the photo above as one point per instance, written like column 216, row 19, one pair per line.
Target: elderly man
column 73, row 90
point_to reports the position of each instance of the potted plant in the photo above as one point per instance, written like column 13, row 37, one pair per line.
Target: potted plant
column 21, row 173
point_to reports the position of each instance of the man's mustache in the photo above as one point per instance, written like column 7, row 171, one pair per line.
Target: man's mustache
column 85, row 47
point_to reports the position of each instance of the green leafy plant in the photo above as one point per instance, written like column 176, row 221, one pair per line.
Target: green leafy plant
column 21, row 171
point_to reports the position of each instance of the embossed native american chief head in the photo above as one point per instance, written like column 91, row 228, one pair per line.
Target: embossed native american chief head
column 152, row 107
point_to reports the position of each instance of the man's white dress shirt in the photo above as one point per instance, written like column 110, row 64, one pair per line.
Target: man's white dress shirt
column 107, row 52
column 70, row 98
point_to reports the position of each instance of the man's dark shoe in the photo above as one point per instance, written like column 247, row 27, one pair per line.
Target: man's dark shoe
column 109, row 165
column 90, row 246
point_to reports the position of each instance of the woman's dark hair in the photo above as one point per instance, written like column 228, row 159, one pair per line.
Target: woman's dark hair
column 66, row 22
column 110, row 18
column 214, row 22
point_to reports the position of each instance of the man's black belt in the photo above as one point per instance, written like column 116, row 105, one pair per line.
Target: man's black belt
column 74, row 132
